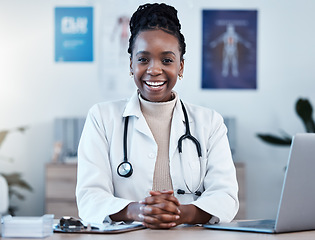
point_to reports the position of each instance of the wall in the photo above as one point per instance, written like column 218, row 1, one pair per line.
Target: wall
column 34, row 89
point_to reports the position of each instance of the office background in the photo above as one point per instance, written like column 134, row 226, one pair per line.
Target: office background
column 35, row 90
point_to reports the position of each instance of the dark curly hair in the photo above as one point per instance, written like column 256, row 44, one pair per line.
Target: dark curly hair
column 156, row 16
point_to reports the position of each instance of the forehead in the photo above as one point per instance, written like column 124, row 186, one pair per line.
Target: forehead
column 156, row 41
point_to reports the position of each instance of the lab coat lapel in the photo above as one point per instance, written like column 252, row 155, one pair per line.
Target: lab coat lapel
column 142, row 126
column 133, row 109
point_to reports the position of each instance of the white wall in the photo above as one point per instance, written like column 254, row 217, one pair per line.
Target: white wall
column 34, row 89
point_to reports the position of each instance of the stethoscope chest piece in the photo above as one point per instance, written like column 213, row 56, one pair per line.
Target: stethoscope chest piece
column 124, row 169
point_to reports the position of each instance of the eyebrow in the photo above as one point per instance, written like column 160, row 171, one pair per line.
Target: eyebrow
column 148, row 53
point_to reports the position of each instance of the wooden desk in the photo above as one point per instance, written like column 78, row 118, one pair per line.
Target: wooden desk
column 183, row 233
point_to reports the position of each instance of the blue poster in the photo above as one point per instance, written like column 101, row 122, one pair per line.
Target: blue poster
column 229, row 49
column 73, row 34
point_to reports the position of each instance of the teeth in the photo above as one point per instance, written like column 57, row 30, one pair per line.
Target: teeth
column 155, row 84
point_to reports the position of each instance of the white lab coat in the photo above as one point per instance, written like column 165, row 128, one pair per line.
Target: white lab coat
column 101, row 191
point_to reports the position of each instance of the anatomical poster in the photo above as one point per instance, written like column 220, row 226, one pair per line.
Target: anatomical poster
column 229, row 49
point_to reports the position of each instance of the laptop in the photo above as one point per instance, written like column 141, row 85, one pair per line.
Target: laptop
column 296, row 211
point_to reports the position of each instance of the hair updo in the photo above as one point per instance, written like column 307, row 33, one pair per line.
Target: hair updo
column 156, row 16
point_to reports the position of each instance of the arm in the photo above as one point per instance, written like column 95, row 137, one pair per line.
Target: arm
column 95, row 190
column 219, row 197
column 216, row 41
column 190, row 214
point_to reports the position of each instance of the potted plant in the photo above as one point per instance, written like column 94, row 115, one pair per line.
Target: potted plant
column 14, row 180
column 304, row 110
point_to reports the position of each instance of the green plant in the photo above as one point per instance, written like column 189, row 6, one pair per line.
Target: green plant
column 14, row 180
column 304, row 110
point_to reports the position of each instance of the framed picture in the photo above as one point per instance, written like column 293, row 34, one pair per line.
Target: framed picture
column 73, row 34
column 229, row 49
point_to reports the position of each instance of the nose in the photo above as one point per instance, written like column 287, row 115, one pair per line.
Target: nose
column 154, row 68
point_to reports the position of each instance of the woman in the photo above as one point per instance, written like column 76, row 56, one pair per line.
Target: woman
column 166, row 188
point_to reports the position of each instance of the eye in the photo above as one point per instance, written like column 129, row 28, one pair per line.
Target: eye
column 167, row 60
column 142, row 60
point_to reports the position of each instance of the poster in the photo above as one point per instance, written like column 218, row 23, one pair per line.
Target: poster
column 229, row 49
column 73, row 34
column 114, row 64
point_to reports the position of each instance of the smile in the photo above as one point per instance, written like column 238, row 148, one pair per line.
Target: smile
column 154, row 84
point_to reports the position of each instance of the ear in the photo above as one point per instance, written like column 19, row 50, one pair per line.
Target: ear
column 181, row 67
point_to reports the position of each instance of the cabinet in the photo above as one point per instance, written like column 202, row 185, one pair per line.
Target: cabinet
column 60, row 189
column 240, row 174
column 61, row 182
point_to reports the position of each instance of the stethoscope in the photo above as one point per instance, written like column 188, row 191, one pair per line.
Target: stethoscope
column 125, row 169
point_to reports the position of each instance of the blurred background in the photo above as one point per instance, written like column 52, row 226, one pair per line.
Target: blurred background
column 36, row 90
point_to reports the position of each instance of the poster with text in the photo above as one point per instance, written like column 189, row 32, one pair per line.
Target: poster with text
column 74, row 34
column 229, row 49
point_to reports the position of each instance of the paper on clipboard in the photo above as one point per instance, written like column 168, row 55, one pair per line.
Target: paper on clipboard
column 104, row 229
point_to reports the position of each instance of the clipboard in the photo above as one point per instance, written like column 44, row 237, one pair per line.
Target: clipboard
column 110, row 229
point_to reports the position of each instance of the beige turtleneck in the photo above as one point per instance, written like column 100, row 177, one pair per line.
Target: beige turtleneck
column 159, row 118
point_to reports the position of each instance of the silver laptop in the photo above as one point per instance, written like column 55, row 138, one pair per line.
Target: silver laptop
column 296, row 210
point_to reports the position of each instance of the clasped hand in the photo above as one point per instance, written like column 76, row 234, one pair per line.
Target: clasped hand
column 160, row 210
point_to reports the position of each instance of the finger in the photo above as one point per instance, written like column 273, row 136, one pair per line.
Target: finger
column 161, row 198
column 171, row 198
column 160, row 219
column 155, row 193
column 151, row 210
column 167, row 207
column 167, row 218
column 159, row 209
column 160, row 226
column 140, row 217
column 154, row 223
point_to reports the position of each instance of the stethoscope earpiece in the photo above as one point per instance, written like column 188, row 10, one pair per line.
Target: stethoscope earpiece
column 180, row 191
column 198, row 193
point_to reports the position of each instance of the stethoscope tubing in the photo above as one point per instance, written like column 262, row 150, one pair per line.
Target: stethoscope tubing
column 188, row 134
column 125, row 168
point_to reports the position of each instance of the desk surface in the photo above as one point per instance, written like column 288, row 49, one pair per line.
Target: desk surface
column 183, row 233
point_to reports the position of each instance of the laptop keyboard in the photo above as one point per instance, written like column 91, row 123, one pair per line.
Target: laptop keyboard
column 262, row 224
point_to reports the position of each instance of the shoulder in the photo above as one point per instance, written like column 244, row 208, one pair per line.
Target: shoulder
column 105, row 111
column 203, row 114
column 109, row 107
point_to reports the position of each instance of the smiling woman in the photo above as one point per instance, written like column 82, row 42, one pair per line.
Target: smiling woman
column 153, row 158
column 156, row 64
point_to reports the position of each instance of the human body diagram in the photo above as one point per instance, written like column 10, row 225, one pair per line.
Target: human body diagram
column 230, row 39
